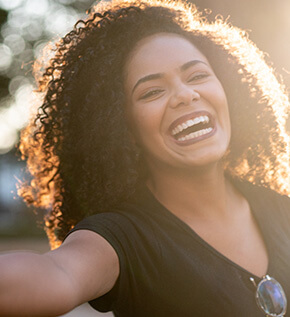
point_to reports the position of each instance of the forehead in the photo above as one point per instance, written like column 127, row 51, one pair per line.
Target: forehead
column 160, row 53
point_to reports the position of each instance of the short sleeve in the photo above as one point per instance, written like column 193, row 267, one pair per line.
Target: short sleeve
column 114, row 228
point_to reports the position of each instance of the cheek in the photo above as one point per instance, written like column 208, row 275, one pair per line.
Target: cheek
column 217, row 97
column 147, row 120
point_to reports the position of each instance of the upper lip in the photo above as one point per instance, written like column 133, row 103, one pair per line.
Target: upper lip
column 187, row 117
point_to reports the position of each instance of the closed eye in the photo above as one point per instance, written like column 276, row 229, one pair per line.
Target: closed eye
column 151, row 93
column 197, row 77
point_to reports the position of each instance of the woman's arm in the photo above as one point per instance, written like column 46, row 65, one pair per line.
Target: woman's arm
column 85, row 267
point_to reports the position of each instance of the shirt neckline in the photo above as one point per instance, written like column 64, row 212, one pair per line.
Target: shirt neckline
column 245, row 192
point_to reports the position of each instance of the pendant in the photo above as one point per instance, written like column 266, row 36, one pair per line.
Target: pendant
column 270, row 297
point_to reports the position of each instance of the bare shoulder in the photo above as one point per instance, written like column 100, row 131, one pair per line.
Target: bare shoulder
column 89, row 261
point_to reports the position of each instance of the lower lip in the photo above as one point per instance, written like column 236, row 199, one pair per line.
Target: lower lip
column 197, row 139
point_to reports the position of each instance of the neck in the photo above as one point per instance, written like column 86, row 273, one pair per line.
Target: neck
column 205, row 193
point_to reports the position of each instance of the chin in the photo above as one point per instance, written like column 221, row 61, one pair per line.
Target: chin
column 209, row 159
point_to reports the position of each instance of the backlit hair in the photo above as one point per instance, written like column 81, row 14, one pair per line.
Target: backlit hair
column 78, row 148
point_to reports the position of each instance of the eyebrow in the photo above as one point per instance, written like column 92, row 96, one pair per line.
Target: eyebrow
column 191, row 63
column 160, row 75
column 147, row 78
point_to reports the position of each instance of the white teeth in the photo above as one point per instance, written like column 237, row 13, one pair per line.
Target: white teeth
column 195, row 134
column 189, row 123
column 184, row 126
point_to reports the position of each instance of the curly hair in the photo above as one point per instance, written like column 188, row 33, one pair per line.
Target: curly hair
column 78, row 149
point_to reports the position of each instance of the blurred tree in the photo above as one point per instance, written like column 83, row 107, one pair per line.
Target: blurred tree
column 26, row 27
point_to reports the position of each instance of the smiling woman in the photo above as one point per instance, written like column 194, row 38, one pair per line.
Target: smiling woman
column 176, row 90
column 160, row 153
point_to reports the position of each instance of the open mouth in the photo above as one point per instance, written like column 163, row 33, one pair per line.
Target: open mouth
column 192, row 128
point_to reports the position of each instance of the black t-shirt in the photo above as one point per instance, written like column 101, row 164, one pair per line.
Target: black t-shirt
column 167, row 270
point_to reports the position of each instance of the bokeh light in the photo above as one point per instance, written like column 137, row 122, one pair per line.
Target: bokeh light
column 5, row 57
column 30, row 25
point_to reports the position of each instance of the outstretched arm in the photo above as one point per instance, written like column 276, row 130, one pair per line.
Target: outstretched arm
column 84, row 267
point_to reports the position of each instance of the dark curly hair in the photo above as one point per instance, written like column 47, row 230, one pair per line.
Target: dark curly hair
column 78, row 148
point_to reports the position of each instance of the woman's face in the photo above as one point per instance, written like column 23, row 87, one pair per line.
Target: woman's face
column 177, row 107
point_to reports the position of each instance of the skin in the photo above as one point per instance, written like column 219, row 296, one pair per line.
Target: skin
column 187, row 178
column 84, row 267
column 183, row 83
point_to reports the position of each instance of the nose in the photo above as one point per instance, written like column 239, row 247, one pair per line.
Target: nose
column 184, row 95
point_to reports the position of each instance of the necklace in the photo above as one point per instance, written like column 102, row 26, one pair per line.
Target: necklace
column 270, row 296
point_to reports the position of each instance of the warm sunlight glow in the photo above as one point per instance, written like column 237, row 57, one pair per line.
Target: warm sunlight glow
column 27, row 22
column 42, row 141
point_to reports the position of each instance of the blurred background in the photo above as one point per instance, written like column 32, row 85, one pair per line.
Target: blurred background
column 25, row 28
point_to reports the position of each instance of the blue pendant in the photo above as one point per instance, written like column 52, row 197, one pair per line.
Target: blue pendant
column 271, row 297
